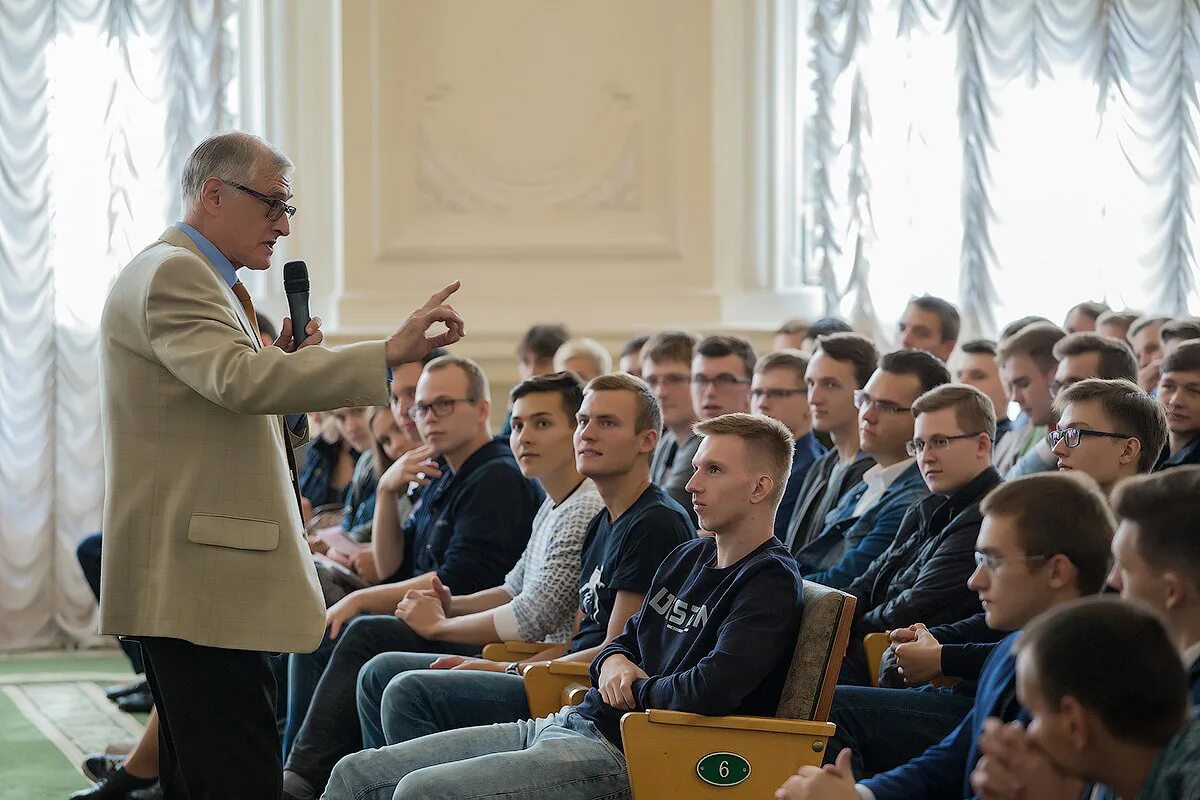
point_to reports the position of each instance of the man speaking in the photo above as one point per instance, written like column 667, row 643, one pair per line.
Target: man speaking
column 204, row 559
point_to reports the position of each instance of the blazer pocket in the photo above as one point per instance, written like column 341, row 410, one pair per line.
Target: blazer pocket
column 235, row 532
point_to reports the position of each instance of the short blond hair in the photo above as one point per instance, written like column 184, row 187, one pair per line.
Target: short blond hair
column 768, row 443
column 793, row 360
column 1036, row 341
column 973, row 410
column 583, row 347
column 477, row 382
column 649, row 416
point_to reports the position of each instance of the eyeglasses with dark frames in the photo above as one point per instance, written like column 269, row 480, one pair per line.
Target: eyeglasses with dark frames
column 776, row 394
column 1075, row 435
column 722, row 381
column 443, row 406
column 275, row 206
column 992, row 562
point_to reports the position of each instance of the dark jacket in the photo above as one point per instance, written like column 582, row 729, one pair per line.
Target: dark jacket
column 805, row 452
column 1188, row 454
column 922, row 576
column 317, row 473
column 817, row 497
column 849, row 543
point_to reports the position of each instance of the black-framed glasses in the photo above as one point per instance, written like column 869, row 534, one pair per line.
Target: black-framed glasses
column 862, row 400
column 275, row 206
column 654, row 381
column 936, row 442
column 776, row 394
column 991, row 562
column 443, row 406
column 1075, row 435
column 722, row 381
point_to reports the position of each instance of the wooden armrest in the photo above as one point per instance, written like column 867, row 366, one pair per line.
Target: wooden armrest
column 800, row 727
column 875, row 644
column 675, row 754
column 577, row 668
column 513, row 651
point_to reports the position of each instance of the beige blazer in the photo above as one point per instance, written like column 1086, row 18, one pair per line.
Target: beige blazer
column 202, row 534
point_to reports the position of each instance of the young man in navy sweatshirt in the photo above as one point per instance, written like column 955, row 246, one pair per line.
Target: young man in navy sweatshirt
column 1044, row 542
column 714, row 636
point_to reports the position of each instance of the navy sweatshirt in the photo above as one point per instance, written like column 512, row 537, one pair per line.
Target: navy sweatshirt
column 714, row 641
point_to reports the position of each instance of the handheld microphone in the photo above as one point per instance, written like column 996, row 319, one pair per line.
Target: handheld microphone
column 295, row 285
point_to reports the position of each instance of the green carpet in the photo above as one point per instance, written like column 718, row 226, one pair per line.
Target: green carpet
column 51, row 711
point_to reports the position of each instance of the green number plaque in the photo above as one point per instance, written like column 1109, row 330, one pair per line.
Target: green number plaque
column 723, row 769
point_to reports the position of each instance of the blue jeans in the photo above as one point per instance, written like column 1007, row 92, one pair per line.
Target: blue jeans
column 889, row 727
column 400, row 699
column 559, row 757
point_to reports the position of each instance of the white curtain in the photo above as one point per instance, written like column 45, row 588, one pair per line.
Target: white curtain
column 1016, row 156
column 100, row 103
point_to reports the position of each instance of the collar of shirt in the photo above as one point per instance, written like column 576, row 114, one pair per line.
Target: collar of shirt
column 1191, row 655
column 880, row 478
column 215, row 257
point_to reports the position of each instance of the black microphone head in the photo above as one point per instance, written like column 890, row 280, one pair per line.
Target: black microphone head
column 295, row 277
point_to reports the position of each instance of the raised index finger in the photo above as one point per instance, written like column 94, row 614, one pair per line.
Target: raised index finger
column 439, row 297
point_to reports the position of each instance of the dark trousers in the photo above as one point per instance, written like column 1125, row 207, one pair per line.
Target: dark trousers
column 88, row 553
column 889, row 727
column 216, row 714
column 327, row 726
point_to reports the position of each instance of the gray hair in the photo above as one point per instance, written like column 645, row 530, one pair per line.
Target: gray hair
column 232, row 156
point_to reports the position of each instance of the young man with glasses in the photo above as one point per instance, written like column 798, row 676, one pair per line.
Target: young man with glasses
column 1109, row 430
column 1179, row 394
column 721, row 373
column 922, row 576
column 778, row 392
column 841, row 364
column 470, row 528
column 1044, row 542
column 667, row 370
column 865, row 522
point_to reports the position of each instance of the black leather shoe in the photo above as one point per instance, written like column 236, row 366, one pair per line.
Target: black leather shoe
column 155, row 792
column 138, row 702
column 115, row 786
column 115, row 693
column 97, row 766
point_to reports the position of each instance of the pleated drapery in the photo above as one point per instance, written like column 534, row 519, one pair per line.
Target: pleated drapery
column 100, row 103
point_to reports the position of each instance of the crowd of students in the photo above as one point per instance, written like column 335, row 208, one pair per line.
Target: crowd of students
column 1037, row 572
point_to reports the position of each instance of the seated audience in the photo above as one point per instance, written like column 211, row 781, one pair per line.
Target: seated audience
column 745, row 599
column 929, row 323
column 1116, row 323
column 587, row 358
column 1107, row 700
column 825, row 326
column 1082, row 317
column 535, row 356
column 1044, row 542
column 778, row 392
column 791, row 334
column 631, row 356
column 1144, row 336
column 866, row 519
column 841, row 364
column 472, row 526
column 354, row 424
column 400, row 486
column 667, row 368
column 1109, row 430
column 1156, row 555
column 1027, row 366
column 624, row 546
column 1013, row 328
column 979, row 369
column 1179, row 393
column 922, row 576
column 328, row 464
column 1080, row 356
column 1176, row 332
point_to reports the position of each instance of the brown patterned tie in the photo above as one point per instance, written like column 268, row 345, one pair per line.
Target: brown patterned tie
column 243, row 295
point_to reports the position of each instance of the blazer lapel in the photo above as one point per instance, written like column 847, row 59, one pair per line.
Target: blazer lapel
column 177, row 238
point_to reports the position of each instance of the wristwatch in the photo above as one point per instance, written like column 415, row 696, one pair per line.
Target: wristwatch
column 513, row 668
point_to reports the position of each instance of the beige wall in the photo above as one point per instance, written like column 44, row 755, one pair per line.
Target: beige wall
column 568, row 160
